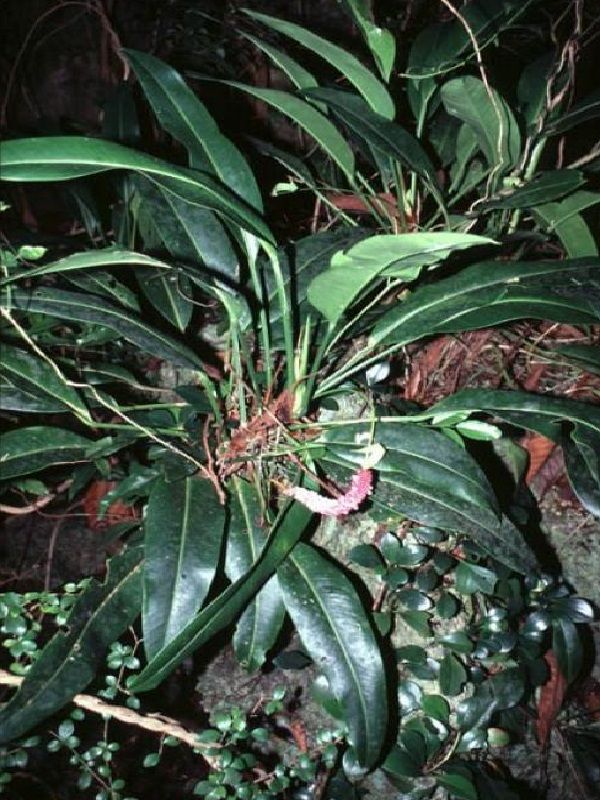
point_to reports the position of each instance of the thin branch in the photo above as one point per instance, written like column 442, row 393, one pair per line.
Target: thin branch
column 163, row 726
column 41, row 502
column 490, row 92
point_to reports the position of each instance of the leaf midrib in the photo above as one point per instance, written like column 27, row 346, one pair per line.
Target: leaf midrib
column 348, row 660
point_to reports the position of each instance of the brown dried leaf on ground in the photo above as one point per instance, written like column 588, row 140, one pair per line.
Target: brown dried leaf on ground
column 116, row 512
column 550, row 701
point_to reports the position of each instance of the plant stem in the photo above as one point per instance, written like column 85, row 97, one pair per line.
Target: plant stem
column 286, row 314
column 263, row 317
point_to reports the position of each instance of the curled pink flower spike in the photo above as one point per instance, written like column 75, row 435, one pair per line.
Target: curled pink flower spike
column 361, row 487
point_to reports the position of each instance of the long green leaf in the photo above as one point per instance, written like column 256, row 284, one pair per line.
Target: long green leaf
column 311, row 120
column 491, row 120
column 39, row 377
column 429, row 478
column 65, row 157
column 361, row 78
column 385, row 138
column 86, row 308
column 584, row 356
column 557, row 213
column 586, row 109
column 18, row 396
column 336, row 631
column 564, row 220
column 170, row 294
column 300, row 77
column 400, row 255
column 566, row 644
column 381, row 42
column 542, row 188
column 301, row 262
column 227, row 606
column 490, row 293
column 91, row 259
column 33, row 449
column 532, row 89
column 104, row 284
column 68, row 663
column 547, row 416
column 259, row 625
column 188, row 232
column 182, row 115
column 182, row 545
column 541, row 413
column 442, row 47
column 485, row 294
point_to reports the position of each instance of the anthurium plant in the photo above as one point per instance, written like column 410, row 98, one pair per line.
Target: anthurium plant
column 237, row 390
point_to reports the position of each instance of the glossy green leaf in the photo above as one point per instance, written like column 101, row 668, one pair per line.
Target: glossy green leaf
column 385, row 256
column 120, row 119
column 183, row 526
column 429, row 478
column 186, row 118
column 436, row 706
column 485, row 294
column 373, row 91
column 223, row 610
column 169, row 293
column 585, row 109
column 311, row 120
column 541, row 413
column 381, row 42
column 490, row 293
column 465, row 147
column 567, row 648
column 471, row 578
column 104, row 284
column 301, row 262
column 584, row 356
column 38, row 377
column 336, row 632
column 21, row 396
column 569, row 207
column 547, row 416
column 442, row 47
column 400, row 764
column 294, row 166
column 563, row 218
column 188, row 232
column 366, row 555
column 447, row 606
column 497, row 693
column 80, row 307
column 452, row 675
column 69, row 661
column 260, row 623
column 385, row 138
column 300, row 77
column 458, row 785
column 90, row 259
column 493, row 122
column 33, row 449
column 419, row 621
column 65, row 157
column 532, row 89
column 457, row 641
column 542, row 188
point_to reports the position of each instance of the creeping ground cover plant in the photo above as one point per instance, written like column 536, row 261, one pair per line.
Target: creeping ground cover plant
column 236, row 391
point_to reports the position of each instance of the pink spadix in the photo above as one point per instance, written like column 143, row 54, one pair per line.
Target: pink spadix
column 361, row 487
